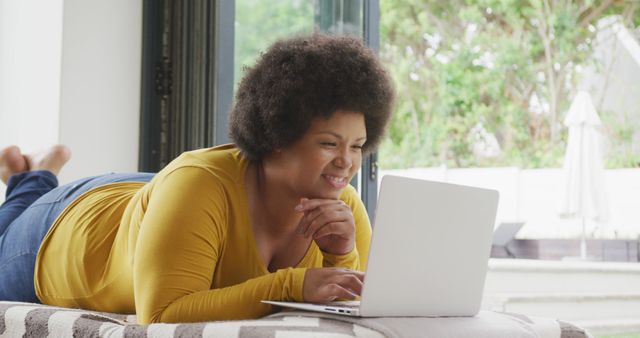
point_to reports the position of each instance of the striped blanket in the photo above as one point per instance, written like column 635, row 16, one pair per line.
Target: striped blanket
column 35, row 320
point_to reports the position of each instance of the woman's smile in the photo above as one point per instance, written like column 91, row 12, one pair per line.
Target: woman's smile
column 338, row 182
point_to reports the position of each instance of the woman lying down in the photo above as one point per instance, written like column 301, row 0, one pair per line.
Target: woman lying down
column 270, row 217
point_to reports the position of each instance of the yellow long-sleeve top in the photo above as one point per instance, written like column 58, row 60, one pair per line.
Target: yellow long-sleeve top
column 177, row 249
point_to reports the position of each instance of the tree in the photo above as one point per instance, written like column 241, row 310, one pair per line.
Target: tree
column 474, row 73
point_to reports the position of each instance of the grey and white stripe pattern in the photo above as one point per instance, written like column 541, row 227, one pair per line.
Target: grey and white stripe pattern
column 35, row 320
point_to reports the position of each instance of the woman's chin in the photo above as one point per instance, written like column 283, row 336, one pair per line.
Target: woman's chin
column 333, row 195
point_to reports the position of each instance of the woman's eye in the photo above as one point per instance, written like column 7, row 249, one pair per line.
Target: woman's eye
column 357, row 147
column 330, row 144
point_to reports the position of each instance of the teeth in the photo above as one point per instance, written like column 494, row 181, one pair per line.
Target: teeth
column 336, row 179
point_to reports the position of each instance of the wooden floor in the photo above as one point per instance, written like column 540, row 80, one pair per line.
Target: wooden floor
column 557, row 249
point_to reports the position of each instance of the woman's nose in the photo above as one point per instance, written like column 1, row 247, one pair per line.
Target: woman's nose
column 344, row 159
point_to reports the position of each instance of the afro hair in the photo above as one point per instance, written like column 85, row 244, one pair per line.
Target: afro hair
column 299, row 79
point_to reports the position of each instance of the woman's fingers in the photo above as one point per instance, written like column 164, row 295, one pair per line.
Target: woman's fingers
column 327, row 284
column 333, row 228
column 337, row 291
column 330, row 222
column 345, row 286
column 322, row 215
column 351, row 283
column 334, row 216
column 310, row 214
column 358, row 274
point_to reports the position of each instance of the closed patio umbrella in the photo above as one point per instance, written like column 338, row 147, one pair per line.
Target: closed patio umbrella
column 583, row 193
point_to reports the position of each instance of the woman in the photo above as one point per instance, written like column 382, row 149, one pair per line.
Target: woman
column 218, row 229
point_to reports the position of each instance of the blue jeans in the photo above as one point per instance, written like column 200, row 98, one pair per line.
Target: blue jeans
column 33, row 202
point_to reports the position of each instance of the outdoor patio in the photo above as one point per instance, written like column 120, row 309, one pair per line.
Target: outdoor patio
column 603, row 297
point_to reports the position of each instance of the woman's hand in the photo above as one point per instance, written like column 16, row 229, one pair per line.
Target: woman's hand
column 330, row 222
column 323, row 285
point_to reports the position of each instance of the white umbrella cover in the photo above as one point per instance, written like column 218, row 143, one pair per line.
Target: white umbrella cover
column 583, row 190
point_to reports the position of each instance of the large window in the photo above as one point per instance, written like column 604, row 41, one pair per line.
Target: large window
column 195, row 53
column 485, row 89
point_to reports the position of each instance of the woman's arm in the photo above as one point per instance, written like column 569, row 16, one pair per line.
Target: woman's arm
column 178, row 246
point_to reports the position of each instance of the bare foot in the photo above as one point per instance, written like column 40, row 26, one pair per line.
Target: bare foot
column 51, row 159
column 11, row 162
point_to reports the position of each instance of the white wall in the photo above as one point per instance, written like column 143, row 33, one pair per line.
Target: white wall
column 30, row 56
column 533, row 196
column 100, row 85
column 70, row 73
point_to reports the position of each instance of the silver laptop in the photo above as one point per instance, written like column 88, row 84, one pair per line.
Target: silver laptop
column 429, row 252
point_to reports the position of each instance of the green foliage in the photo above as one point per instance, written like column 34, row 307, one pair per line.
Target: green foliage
column 621, row 335
column 466, row 65
column 259, row 23
column 623, row 153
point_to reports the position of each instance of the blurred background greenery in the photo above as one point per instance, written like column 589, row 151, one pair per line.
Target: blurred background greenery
column 492, row 72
